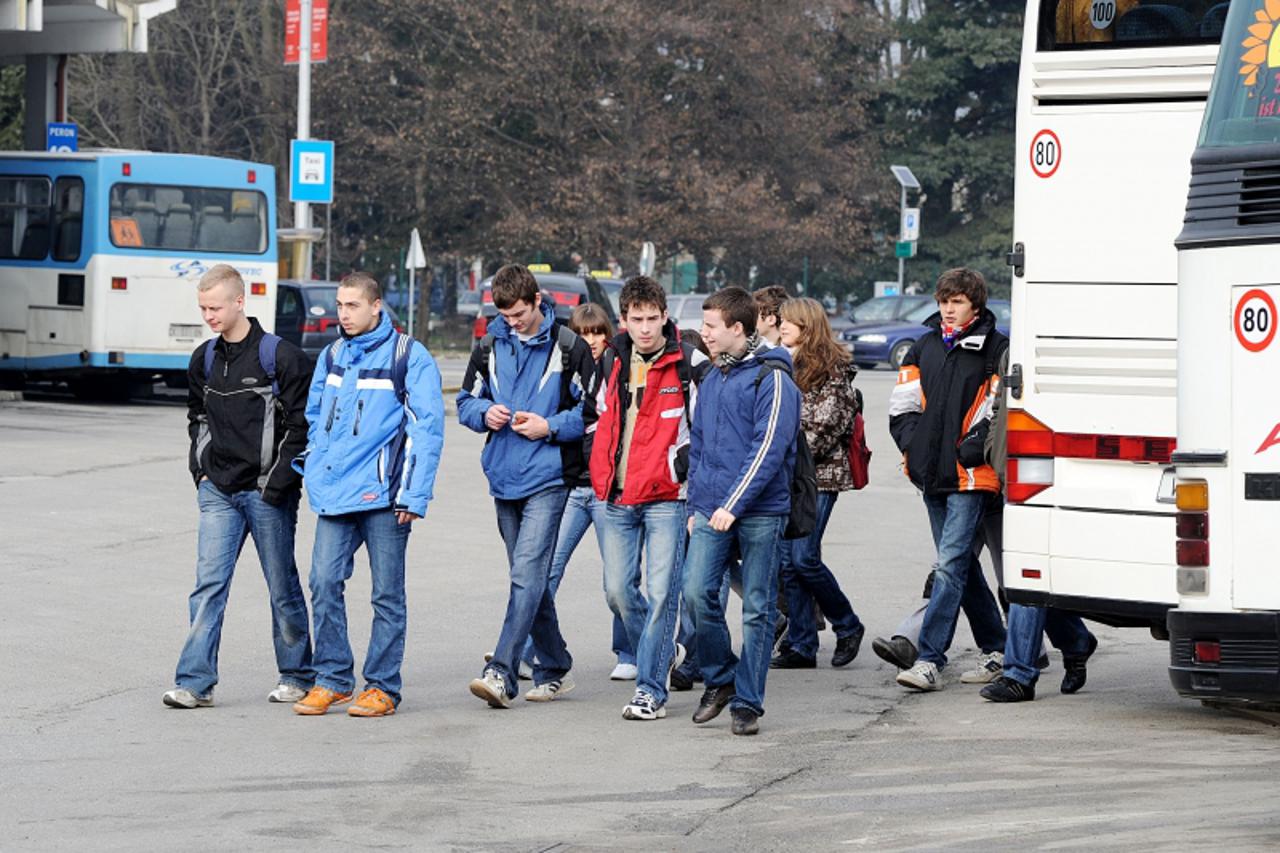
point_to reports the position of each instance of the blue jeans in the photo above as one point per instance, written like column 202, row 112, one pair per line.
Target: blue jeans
column 529, row 528
column 806, row 577
column 758, row 539
column 225, row 522
column 954, row 519
column 657, row 530
column 338, row 537
column 581, row 510
column 1026, row 625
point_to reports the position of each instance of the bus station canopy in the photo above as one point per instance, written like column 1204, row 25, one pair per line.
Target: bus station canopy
column 61, row 27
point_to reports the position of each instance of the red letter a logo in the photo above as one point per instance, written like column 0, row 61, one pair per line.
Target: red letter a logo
column 1270, row 441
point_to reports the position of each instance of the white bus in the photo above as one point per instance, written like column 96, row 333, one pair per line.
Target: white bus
column 99, row 254
column 1225, row 632
column 1110, row 98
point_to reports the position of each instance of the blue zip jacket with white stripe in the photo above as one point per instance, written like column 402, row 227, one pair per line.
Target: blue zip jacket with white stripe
column 530, row 377
column 365, row 450
column 742, row 448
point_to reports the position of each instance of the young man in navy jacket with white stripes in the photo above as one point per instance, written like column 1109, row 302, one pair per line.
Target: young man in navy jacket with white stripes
column 741, row 458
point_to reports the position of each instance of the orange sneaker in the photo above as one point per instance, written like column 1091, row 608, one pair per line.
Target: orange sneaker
column 372, row 703
column 318, row 700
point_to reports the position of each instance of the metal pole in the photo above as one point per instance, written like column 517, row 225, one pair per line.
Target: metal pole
column 412, row 300
column 328, row 241
column 902, row 262
column 301, row 209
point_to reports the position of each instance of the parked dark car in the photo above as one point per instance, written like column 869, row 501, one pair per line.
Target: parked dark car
column 566, row 290
column 878, row 309
column 307, row 314
column 877, row 343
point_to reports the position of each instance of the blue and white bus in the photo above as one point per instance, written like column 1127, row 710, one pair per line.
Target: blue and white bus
column 100, row 253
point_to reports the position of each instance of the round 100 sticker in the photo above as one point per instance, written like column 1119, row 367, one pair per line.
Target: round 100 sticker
column 1255, row 320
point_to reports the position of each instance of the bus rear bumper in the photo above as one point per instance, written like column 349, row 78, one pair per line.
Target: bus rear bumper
column 1248, row 644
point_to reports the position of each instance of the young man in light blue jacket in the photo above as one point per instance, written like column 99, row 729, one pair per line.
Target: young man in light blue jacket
column 376, row 428
column 525, row 387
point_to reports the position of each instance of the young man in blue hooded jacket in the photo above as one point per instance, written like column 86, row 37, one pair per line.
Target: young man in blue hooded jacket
column 525, row 387
column 376, row 428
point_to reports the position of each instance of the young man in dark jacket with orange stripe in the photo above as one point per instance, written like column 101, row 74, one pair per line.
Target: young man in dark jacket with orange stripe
column 639, row 458
column 939, row 415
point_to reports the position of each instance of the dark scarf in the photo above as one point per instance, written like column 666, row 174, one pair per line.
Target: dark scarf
column 726, row 360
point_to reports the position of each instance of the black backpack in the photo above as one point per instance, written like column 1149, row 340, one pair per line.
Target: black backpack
column 804, row 478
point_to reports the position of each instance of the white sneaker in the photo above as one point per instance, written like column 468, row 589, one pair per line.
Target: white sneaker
column 286, row 693
column 624, row 672
column 644, row 707
column 675, row 663
column 180, row 697
column 524, row 671
column 550, row 690
column 491, row 688
column 922, row 676
column 989, row 668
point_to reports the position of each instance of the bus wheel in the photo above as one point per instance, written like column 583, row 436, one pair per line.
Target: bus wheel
column 899, row 354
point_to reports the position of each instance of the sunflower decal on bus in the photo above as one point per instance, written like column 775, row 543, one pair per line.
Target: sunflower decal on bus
column 1262, row 45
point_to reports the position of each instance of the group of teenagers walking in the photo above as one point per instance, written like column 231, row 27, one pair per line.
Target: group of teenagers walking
column 708, row 461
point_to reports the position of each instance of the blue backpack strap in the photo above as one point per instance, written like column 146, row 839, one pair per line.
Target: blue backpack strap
column 209, row 353
column 267, row 358
column 400, row 367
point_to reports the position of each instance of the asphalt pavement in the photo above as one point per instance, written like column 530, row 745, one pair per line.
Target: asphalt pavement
column 97, row 541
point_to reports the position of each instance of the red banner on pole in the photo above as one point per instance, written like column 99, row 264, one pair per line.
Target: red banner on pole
column 319, row 30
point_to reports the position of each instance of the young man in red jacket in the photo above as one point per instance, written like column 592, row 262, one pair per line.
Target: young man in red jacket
column 639, row 459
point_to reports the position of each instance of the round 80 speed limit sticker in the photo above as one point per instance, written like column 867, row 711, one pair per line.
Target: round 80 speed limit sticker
column 1255, row 320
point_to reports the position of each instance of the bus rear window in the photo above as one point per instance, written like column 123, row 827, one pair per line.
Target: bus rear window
column 191, row 219
column 1244, row 103
column 1089, row 24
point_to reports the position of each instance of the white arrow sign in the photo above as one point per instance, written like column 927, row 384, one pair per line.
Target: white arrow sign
column 416, row 259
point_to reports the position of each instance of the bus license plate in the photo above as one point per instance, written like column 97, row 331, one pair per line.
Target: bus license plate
column 184, row 330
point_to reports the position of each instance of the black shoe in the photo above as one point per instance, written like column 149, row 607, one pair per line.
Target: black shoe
column 1005, row 689
column 792, row 660
column 1076, row 672
column 681, row 680
column 847, row 647
column 745, row 721
column 779, row 630
column 1042, row 662
column 898, row 651
column 712, row 703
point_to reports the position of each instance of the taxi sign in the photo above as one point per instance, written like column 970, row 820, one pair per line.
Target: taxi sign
column 601, row 274
column 539, row 267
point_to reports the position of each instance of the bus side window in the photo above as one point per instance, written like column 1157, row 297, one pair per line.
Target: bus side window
column 68, row 218
column 24, row 217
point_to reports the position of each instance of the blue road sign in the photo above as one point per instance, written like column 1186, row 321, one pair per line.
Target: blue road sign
column 311, row 171
column 62, row 137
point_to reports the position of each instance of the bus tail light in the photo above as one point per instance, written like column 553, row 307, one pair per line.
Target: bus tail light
column 1026, row 478
column 1192, row 495
column 480, row 327
column 1207, row 651
column 1194, row 553
column 126, row 169
column 119, row 283
column 258, row 288
column 253, row 176
column 1033, row 446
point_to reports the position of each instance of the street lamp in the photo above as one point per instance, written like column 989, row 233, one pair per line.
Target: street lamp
column 906, row 181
